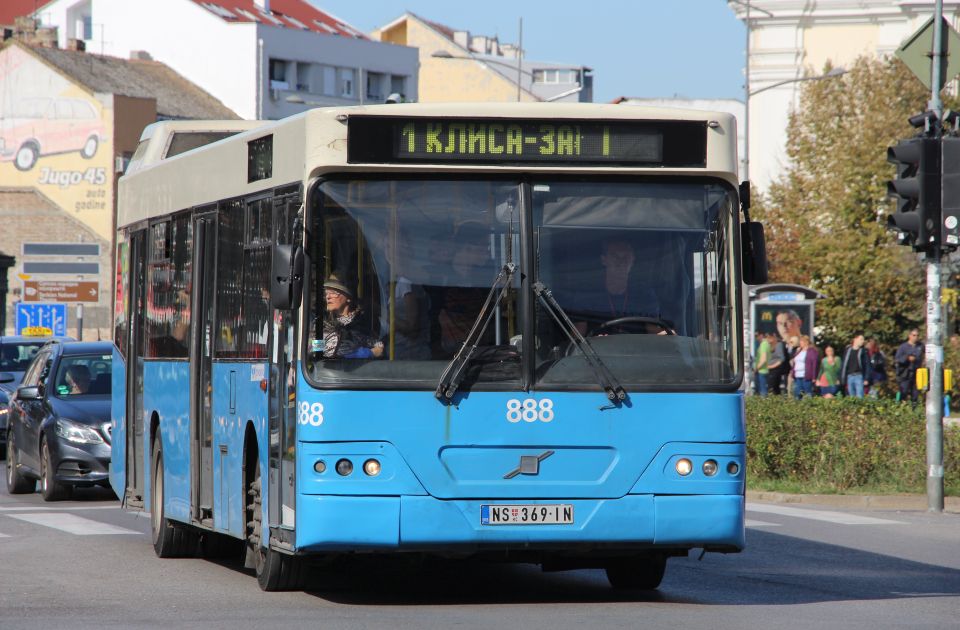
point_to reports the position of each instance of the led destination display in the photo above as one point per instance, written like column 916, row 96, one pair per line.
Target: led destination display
column 507, row 141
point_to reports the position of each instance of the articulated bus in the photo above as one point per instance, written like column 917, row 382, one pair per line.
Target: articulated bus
column 509, row 331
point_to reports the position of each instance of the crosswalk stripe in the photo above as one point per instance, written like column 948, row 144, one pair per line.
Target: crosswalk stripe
column 820, row 515
column 71, row 523
column 753, row 523
column 2, row 535
column 37, row 508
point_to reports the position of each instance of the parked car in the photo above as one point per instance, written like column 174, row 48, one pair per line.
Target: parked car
column 59, row 420
column 16, row 353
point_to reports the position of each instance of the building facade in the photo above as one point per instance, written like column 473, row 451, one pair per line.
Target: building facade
column 458, row 66
column 264, row 59
column 69, row 121
column 792, row 39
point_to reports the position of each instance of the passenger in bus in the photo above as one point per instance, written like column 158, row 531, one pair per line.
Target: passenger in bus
column 410, row 305
column 344, row 335
column 467, row 286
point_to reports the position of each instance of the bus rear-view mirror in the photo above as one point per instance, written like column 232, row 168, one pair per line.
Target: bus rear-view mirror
column 286, row 279
column 754, row 246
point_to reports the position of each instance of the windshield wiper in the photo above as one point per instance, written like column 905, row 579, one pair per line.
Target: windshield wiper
column 453, row 374
column 607, row 380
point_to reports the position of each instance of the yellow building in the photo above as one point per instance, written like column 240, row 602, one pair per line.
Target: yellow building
column 458, row 66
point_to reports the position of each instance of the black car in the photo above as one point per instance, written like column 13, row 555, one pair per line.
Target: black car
column 16, row 353
column 59, row 420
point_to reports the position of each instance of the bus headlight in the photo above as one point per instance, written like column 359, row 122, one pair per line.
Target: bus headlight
column 320, row 466
column 733, row 469
column 710, row 467
column 684, row 467
column 371, row 467
column 344, row 467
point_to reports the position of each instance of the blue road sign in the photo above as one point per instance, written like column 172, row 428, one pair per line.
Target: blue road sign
column 52, row 316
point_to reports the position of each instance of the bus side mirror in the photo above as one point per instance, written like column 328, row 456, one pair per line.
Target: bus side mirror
column 286, row 279
column 754, row 246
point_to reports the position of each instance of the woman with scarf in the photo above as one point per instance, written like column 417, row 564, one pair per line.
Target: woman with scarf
column 343, row 337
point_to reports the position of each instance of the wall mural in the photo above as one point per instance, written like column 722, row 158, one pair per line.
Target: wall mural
column 55, row 137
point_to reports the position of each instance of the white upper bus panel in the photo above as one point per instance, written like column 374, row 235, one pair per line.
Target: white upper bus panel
column 165, row 139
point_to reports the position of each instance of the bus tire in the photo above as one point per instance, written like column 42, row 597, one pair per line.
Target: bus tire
column 169, row 540
column 17, row 483
column 637, row 573
column 275, row 571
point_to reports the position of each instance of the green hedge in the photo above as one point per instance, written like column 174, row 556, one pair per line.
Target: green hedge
column 843, row 445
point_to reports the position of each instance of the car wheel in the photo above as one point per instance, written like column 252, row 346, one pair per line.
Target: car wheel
column 90, row 147
column 50, row 488
column 275, row 571
column 169, row 540
column 16, row 482
column 26, row 157
column 643, row 573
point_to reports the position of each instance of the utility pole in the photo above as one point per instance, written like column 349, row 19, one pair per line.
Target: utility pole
column 934, row 346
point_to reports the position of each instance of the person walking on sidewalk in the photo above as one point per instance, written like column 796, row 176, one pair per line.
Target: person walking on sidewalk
column 878, row 368
column 804, row 368
column 829, row 380
column 908, row 358
column 854, row 370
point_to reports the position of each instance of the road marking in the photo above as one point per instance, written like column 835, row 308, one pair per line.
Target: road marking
column 2, row 535
column 752, row 523
column 821, row 515
column 72, row 524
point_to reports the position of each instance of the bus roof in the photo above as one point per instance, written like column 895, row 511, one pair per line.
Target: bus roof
column 314, row 142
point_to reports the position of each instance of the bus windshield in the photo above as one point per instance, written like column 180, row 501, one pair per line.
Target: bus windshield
column 400, row 270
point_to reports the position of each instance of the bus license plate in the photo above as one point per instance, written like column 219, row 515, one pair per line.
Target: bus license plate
column 526, row 514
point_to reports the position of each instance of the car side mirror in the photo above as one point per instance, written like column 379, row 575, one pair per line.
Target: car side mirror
column 754, row 246
column 29, row 393
column 7, row 377
column 286, row 277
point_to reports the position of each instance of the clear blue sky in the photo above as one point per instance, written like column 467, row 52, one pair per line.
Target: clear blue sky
column 644, row 48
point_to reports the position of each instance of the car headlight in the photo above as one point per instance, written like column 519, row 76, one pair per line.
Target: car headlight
column 76, row 432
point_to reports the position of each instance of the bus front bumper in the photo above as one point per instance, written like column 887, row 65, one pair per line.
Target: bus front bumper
column 330, row 523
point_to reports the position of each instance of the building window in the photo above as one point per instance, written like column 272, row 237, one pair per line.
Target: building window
column 375, row 82
column 398, row 85
column 347, row 81
column 555, row 75
column 329, row 81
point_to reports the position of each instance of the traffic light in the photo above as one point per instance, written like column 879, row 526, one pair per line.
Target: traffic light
column 917, row 191
column 950, row 197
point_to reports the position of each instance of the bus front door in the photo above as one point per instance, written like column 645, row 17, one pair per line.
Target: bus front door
column 201, row 365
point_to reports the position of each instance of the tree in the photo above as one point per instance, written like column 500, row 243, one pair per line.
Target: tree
column 826, row 217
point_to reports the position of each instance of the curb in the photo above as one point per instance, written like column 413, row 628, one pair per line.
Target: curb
column 912, row 502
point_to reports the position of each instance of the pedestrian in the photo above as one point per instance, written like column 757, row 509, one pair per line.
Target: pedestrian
column 763, row 357
column 793, row 347
column 854, row 369
column 829, row 379
column 878, row 367
column 805, row 363
column 908, row 358
column 778, row 364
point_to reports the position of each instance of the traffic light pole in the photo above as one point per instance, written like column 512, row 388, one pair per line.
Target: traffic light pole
column 934, row 347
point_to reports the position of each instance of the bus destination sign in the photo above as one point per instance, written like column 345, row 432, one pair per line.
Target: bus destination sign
column 512, row 141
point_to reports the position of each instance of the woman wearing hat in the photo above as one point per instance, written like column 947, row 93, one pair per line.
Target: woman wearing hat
column 342, row 334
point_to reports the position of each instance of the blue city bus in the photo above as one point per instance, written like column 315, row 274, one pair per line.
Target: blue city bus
column 509, row 331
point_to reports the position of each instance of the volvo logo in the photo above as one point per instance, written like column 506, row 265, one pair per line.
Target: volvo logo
column 529, row 465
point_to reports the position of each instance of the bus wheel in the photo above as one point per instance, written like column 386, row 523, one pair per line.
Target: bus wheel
column 637, row 573
column 169, row 540
column 275, row 571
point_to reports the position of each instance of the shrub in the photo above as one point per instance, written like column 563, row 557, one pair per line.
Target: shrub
column 842, row 444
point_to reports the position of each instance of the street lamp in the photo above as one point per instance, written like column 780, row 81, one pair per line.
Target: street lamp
column 746, row 86
column 835, row 72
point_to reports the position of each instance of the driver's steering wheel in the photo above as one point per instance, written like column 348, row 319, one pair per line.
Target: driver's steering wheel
column 613, row 323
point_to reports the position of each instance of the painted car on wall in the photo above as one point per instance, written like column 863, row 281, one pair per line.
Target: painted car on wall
column 45, row 126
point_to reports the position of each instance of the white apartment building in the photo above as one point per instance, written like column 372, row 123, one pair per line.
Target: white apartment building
column 263, row 59
column 791, row 39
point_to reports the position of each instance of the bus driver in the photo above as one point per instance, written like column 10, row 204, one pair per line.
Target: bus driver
column 343, row 337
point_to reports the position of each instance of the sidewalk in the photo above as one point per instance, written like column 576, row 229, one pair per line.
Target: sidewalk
column 905, row 502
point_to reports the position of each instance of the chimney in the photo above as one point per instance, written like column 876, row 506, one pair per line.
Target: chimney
column 76, row 44
column 140, row 55
column 263, row 5
column 462, row 38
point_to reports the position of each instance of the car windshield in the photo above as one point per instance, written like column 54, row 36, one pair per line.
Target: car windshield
column 399, row 272
column 83, row 375
column 15, row 357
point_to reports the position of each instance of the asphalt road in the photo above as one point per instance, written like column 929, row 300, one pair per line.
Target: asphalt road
column 86, row 564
